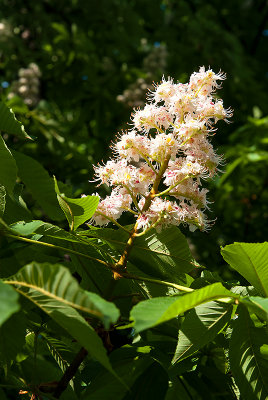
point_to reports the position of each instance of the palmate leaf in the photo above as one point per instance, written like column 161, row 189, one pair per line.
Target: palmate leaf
column 95, row 276
column 55, row 291
column 55, row 282
column 251, row 261
column 77, row 211
column 200, row 326
column 8, row 168
column 163, row 255
column 8, row 302
column 149, row 313
column 9, row 123
column 248, row 366
column 44, row 229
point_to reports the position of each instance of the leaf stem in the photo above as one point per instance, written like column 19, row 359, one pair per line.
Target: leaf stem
column 23, row 239
column 158, row 282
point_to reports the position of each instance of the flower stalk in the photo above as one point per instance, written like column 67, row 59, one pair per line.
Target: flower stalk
column 168, row 145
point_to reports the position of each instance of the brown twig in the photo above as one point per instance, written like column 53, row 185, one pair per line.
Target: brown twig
column 70, row 372
column 120, row 266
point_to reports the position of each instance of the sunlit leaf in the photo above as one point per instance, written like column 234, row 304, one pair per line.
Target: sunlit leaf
column 149, row 313
column 40, row 282
column 55, row 291
column 200, row 326
column 251, row 261
column 43, row 228
column 77, row 211
column 163, row 255
column 10, row 124
column 257, row 304
column 248, row 366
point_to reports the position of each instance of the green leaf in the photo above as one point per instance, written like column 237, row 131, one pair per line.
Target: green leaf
column 16, row 209
column 149, row 313
column 200, row 327
column 2, row 200
column 163, row 255
column 8, row 168
column 53, row 345
column 257, row 304
column 77, row 211
column 39, row 184
column 8, row 302
column 12, row 336
column 10, row 124
column 251, row 261
column 95, row 277
column 45, row 229
column 105, row 386
column 151, row 384
column 55, row 291
column 55, row 282
column 248, row 366
column 177, row 391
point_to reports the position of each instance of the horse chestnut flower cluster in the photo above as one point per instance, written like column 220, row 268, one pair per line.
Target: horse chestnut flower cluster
column 160, row 163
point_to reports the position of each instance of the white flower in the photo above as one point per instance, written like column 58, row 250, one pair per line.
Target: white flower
column 169, row 145
column 190, row 128
column 152, row 117
column 163, row 91
column 205, row 82
column 112, row 207
column 104, row 173
column 132, row 146
column 163, row 145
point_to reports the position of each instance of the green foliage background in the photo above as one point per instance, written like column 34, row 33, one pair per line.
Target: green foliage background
column 89, row 54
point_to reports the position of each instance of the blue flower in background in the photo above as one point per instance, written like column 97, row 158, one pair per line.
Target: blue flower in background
column 5, row 84
column 157, row 44
column 84, row 78
column 265, row 32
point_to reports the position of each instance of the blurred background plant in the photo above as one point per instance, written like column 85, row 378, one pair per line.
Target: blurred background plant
column 72, row 73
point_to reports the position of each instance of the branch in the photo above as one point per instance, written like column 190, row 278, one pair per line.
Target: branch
column 70, row 372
